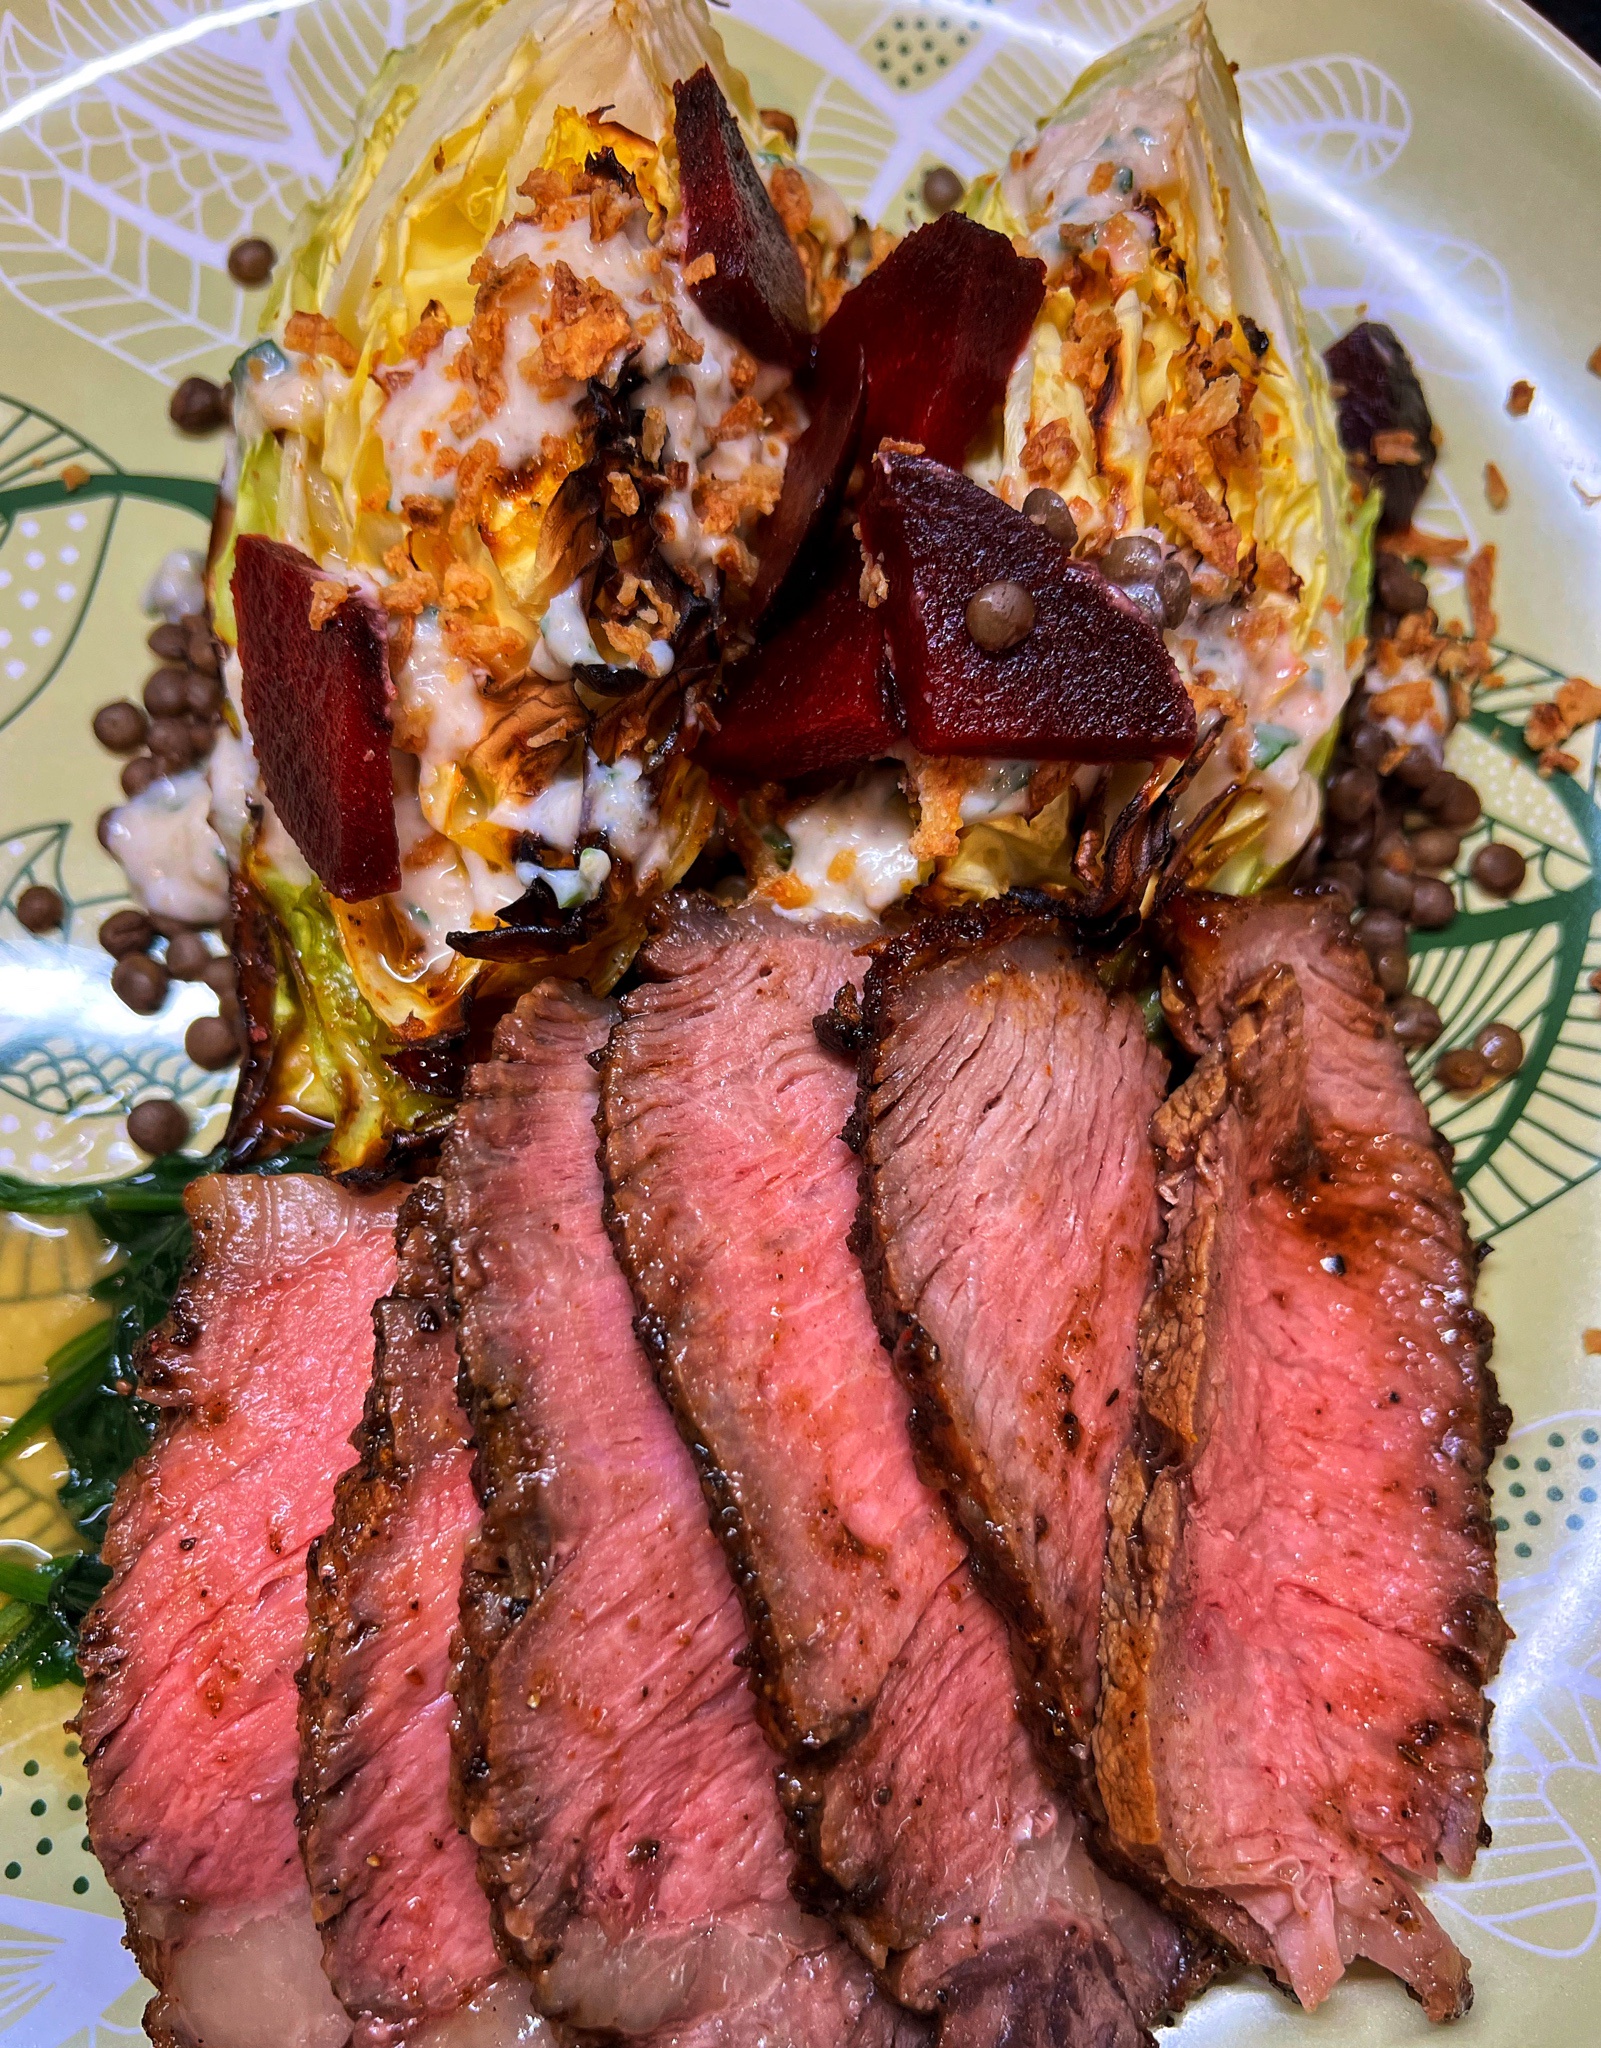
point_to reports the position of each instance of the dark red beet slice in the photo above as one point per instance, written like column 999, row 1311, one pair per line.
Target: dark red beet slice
column 815, row 477
column 317, row 704
column 758, row 292
column 815, row 696
column 940, row 323
column 1091, row 681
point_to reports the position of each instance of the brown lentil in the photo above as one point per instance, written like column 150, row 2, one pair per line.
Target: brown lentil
column 200, row 650
column 158, row 1126
column 1173, row 581
column 211, row 1043
column 166, row 692
column 1049, row 509
column 942, row 189
column 140, row 982
column 1346, row 876
column 1387, row 890
column 120, row 727
column 1381, row 928
column 1416, row 768
column 198, row 406
column 169, row 640
column 138, row 774
column 1352, row 794
column 1350, row 842
column 999, row 615
column 126, row 931
column 1132, row 558
column 1433, row 903
column 1368, row 744
column 171, row 742
column 1501, row 1049
column 1499, row 869
column 1149, row 599
column 40, row 909
column 1462, row 1070
column 1415, row 1022
column 220, row 976
column 1436, row 846
column 250, row 261
column 1391, row 969
column 1450, row 801
column 202, row 694
column 188, row 956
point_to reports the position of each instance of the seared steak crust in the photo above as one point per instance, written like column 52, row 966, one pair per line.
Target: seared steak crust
column 406, row 1932
column 1008, row 1217
column 189, row 1709
column 884, row 1676
column 610, row 1765
column 1300, row 1607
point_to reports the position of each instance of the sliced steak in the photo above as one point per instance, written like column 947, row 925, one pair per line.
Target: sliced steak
column 406, row 1934
column 1301, row 1602
column 884, row 1678
column 616, row 1781
column 189, row 1708
column 1007, row 1223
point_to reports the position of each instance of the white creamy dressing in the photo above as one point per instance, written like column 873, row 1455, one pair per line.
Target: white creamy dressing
column 443, row 887
column 852, row 850
column 276, row 392
column 430, row 407
column 235, row 785
column 163, row 840
column 1429, row 728
column 176, row 591
column 447, row 887
column 619, row 807
column 1048, row 185
column 1291, row 697
column 1000, row 792
column 564, row 636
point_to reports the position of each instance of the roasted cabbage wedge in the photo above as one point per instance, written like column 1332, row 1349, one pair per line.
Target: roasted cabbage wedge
column 489, row 405
column 1170, row 389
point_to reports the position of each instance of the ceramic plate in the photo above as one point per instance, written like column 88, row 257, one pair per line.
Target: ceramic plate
column 1436, row 165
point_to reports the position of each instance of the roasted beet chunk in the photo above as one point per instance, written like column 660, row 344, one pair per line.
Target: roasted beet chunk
column 758, row 291
column 815, row 477
column 1385, row 427
column 816, row 696
column 939, row 323
column 317, row 703
column 1089, row 680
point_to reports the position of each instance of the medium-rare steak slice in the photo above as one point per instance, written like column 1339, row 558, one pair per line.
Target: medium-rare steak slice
column 884, row 1677
column 1007, row 1223
column 189, row 1707
column 1301, row 1609
column 407, row 1941
column 615, row 1779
